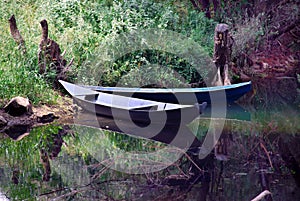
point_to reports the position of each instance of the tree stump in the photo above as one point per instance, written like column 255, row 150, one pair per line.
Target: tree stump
column 44, row 158
column 15, row 33
column 50, row 56
column 222, row 55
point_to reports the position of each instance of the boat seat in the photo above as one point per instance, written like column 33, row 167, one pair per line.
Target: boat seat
column 161, row 107
column 144, row 107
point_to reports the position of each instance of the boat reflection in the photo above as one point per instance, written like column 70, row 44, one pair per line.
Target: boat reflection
column 179, row 135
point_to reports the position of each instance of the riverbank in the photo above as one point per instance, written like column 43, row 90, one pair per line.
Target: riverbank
column 19, row 126
column 63, row 110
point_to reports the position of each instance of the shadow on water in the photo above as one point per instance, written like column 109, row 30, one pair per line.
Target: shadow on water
column 256, row 151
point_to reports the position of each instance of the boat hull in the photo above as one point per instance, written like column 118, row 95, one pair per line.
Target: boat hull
column 143, row 117
column 182, row 96
column 133, row 109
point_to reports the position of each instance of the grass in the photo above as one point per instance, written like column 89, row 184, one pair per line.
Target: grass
column 18, row 73
column 79, row 27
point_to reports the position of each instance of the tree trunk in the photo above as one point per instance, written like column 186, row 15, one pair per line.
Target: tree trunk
column 222, row 55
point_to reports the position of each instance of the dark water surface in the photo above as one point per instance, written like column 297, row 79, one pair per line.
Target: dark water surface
column 257, row 150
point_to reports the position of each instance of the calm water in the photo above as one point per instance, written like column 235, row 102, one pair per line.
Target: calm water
column 257, row 150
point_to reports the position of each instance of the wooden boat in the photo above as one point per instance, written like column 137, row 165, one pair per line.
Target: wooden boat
column 128, row 108
column 180, row 95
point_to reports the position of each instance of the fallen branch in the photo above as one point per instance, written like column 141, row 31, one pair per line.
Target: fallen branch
column 285, row 29
column 266, row 152
column 193, row 162
column 261, row 195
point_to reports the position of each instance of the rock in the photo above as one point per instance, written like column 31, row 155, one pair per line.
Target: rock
column 18, row 128
column 16, row 131
column 3, row 122
column 46, row 118
column 18, row 106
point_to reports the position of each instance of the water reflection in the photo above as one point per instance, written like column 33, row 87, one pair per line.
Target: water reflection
column 261, row 151
column 177, row 135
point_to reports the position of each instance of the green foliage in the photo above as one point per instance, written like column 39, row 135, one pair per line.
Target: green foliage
column 18, row 73
column 131, row 144
column 23, row 192
column 80, row 26
column 23, row 82
column 142, row 68
column 84, row 26
column 277, row 120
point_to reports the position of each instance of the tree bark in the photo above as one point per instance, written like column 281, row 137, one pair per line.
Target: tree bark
column 49, row 51
column 222, row 55
column 49, row 56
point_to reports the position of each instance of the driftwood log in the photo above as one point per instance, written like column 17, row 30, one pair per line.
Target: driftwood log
column 15, row 33
column 50, row 56
column 222, row 55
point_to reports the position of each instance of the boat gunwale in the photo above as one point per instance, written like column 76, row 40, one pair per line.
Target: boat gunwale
column 167, row 90
column 154, row 104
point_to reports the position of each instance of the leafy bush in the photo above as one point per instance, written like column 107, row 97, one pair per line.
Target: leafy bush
column 247, row 35
column 247, row 27
column 131, row 17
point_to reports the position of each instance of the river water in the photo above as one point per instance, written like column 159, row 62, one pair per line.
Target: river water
column 92, row 159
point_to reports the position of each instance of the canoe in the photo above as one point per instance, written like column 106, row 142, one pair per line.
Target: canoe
column 133, row 109
column 180, row 95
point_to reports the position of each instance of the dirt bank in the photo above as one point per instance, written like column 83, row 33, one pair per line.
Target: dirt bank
column 18, row 127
